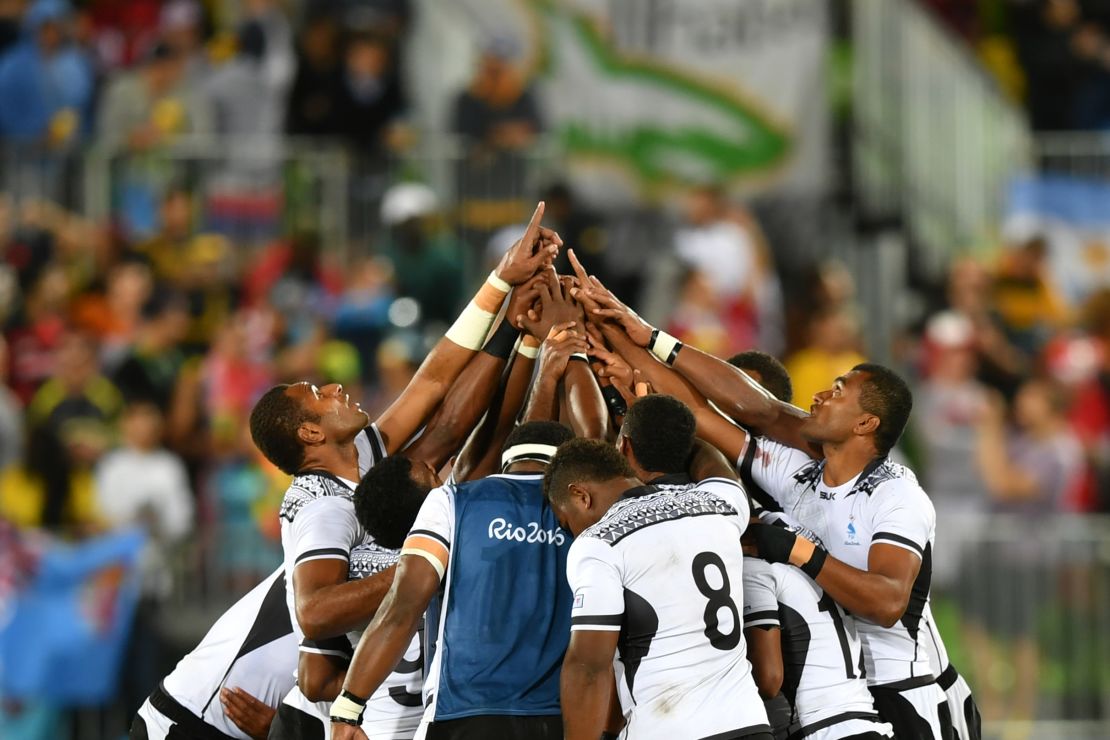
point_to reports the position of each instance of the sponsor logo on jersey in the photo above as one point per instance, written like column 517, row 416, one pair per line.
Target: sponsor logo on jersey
column 852, row 538
column 532, row 532
column 827, row 495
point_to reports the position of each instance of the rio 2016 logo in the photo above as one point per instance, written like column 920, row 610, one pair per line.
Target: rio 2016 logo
column 500, row 529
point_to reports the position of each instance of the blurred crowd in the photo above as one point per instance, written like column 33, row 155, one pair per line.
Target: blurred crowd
column 1052, row 54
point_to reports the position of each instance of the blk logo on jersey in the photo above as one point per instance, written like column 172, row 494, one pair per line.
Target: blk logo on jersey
column 827, row 495
column 852, row 538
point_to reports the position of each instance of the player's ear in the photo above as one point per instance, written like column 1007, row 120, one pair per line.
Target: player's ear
column 867, row 424
column 579, row 495
column 310, row 433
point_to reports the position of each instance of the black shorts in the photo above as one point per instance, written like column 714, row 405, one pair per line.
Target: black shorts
column 911, row 722
column 291, row 723
column 500, row 727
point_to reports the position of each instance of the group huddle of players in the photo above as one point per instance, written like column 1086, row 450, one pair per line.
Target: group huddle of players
column 636, row 540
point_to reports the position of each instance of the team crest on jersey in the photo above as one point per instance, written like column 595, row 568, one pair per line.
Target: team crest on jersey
column 579, row 600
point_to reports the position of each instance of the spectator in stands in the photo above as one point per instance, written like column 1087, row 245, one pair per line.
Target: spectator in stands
column 121, row 33
column 314, row 100
column 1090, row 408
column 362, row 316
column 11, row 416
column 427, row 263
column 114, row 315
column 1028, row 302
column 948, row 406
column 499, row 111
column 371, row 101
column 698, row 317
column 11, row 18
column 833, row 350
column 46, row 83
column 245, row 100
column 180, row 25
column 1044, row 33
column 153, row 105
column 149, row 371
column 36, row 331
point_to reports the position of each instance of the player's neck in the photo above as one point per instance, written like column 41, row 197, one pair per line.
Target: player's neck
column 339, row 459
column 843, row 462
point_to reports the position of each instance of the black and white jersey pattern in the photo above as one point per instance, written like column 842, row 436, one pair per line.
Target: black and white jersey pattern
column 821, row 651
column 251, row 646
column 663, row 568
column 883, row 505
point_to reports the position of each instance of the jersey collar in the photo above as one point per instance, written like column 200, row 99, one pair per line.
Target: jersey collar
column 672, row 479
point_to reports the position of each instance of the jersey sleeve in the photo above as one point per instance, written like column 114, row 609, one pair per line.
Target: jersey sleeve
column 903, row 516
column 596, row 583
column 433, row 531
column 767, row 470
column 761, row 604
column 371, row 448
column 324, row 528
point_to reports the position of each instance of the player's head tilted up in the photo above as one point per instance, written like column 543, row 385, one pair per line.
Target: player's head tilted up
column 293, row 424
column 584, row 479
column 766, row 370
column 657, row 436
column 870, row 405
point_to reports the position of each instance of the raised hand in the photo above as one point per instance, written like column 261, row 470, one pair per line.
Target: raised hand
column 531, row 253
column 562, row 341
column 522, row 299
column 601, row 304
column 344, row 731
column 248, row 713
column 555, row 308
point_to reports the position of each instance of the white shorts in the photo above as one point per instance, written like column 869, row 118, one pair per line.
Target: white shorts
column 919, row 713
column 853, row 728
column 157, row 724
column 965, row 714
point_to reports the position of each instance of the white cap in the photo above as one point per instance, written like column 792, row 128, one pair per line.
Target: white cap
column 950, row 329
column 407, row 200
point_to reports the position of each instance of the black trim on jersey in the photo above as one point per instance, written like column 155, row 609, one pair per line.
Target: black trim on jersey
column 376, row 447
column 322, row 551
column 293, row 722
column 740, row 734
column 601, row 620
column 835, row 720
column 188, row 723
column 756, row 491
column 429, row 533
column 906, row 684
column 919, row 596
column 795, row 640
column 638, row 629
column 338, row 644
column 757, row 616
column 639, row 491
column 897, row 538
column 271, row 622
column 864, row 482
column 948, row 677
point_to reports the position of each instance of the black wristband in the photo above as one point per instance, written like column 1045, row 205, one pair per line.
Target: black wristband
column 674, row 354
column 651, row 342
column 503, row 340
column 609, row 735
column 614, row 400
column 577, row 356
column 815, row 563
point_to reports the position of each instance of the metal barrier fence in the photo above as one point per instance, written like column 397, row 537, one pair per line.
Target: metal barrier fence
column 934, row 141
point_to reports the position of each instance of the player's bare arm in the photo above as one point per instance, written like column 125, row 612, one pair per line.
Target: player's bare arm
column 708, row 462
column 327, row 604
column 765, row 655
column 535, row 250
column 879, row 594
column 320, row 677
column 543, row 400
column 586, row 683
column 384, row 642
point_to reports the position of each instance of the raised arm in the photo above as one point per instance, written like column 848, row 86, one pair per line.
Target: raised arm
column 543, row 400
column 535, row 250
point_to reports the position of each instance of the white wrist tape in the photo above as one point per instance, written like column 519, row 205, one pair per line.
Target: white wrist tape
column 498, row 282
column 346, row 709
column 470, row 329
column 664, row 346
column 528, row 351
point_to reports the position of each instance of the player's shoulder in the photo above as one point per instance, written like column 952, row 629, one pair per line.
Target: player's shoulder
column 369, row 559
column 311, row 486
column 892, row 481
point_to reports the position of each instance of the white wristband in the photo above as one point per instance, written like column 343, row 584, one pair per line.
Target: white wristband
column 498, row 282
column 663, row 347
column 529, row 351
column 470, row 329
column 346, row 709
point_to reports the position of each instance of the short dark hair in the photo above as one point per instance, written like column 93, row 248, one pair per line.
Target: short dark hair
column 884, row 394
column 539, row 433
column 772, row 373
column 661, row 430
column 583, row 460
column 387, row 501
column 274, row 422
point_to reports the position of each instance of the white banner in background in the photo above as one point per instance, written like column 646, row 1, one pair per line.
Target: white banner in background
column 644, row 95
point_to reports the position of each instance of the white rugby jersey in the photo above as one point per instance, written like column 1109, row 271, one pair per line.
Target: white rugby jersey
column 821, row 651
column 251, row 646
column 393, row 711
column 318, row 514
column 884, row 504
column 664, row 568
